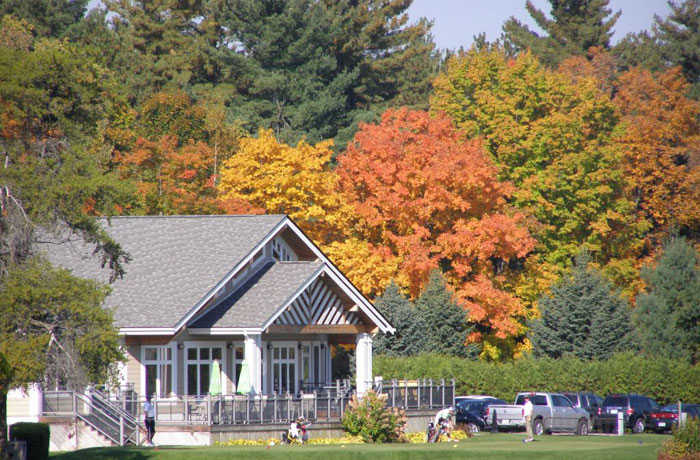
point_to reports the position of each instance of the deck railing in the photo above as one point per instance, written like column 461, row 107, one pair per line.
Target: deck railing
column 329, row 404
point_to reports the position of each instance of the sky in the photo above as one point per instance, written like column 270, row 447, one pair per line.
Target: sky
column 457, row 21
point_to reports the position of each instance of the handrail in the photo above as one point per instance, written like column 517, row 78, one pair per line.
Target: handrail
column 111, row 424
column 113, row 407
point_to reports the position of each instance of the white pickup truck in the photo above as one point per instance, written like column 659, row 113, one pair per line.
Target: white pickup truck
column 509, row 416
column 555, row 412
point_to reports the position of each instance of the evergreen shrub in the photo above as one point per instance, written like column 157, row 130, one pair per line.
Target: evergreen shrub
column 36, row 435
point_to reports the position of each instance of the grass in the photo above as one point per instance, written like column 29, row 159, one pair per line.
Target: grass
column 503, row 446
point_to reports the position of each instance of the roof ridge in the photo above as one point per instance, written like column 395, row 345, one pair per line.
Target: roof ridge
column 193, row 216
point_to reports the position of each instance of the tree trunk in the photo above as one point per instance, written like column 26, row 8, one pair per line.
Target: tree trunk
column 3, row 422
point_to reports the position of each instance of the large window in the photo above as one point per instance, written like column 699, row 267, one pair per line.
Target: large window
column 158, row 365
column 198, row 361
column 238, row 356
column 284, row 368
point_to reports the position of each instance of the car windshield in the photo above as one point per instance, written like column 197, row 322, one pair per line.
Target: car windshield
column 615, row 401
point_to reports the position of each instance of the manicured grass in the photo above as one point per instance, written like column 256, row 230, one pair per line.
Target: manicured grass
column 502, row 446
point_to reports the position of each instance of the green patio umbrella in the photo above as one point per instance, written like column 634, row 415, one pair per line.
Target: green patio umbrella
column 215, row 379
column 243, row 387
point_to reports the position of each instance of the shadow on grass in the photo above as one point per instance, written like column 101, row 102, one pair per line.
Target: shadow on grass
column 104, row 453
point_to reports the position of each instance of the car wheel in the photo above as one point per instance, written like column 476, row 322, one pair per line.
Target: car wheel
column 538, row 427
column 638, row 426
column 472, row 427
column 582, row 428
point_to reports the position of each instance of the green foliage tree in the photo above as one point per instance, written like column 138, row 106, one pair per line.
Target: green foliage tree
column 583, row 316
column 667, row 315
column 575, row 26
column 53, row 330
column 50, row 18
column 409, row 338
column 446, row 328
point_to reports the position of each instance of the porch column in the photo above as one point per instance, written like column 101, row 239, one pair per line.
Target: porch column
column 252, row 353
column 363, row 362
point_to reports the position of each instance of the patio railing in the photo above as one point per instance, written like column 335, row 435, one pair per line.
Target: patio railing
column 326, row 405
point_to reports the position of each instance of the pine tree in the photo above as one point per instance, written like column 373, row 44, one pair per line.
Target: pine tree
column 583, row 316
column 668, row 312
column 446, row 327
column 408, row 340
column 576, row 25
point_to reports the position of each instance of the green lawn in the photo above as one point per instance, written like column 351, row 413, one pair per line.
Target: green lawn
column 484, row 446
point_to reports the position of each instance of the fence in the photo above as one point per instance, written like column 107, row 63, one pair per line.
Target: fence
column 418, row 394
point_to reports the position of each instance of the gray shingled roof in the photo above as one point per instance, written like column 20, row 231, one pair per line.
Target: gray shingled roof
column 176, row 261
column 259, row 297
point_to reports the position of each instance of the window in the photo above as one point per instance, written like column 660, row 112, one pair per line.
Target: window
column 284, row 369
column 560, row 401
column 158, row 366
column 198, row 360
column 238, row 355
column 280, row 251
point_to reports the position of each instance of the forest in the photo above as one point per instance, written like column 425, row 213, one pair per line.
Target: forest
column 533, row 195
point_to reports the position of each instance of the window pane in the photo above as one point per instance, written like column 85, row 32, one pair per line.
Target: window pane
column 292, row 377
column 216, row 353
column 151, row 375
column 166, row 386
column 291, row 352
column 151, row 354
column 191, row 379
column 283, row 377
column 203, row 378
column 276, row 353
column 204, row 353
column 168, row 354
column 192, row 353
column 284, row 353
column 239, row 353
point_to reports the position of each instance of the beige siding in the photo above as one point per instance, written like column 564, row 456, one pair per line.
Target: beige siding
column 18, row 406
column 133, row 367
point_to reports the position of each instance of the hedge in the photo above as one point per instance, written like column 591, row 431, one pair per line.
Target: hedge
column 37, row 437
column 663, row 379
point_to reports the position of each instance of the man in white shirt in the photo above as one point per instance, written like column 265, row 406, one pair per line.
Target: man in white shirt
column 527, row 412
column 149, row 413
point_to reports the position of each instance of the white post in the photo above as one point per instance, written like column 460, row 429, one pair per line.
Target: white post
column 35, row 402
column 620, row 423
column 252, row 353
column 363, row 362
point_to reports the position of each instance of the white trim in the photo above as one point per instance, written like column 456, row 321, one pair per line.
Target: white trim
column 146, row 331
column 194, row 310
column 225, row 330
column 296, row 360
column 343, row 282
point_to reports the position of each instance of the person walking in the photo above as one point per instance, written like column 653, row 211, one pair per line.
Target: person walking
column 527, row 412
column 149, row 413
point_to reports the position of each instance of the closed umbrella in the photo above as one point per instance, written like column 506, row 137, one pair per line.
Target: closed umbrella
column 244, row 387
column 215, row 379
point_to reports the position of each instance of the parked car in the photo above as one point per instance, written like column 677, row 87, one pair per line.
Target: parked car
column 508, row 416
column 555, row 412
column 667, row 417
column 591, row 402
column 472, row 411
column 636, row 410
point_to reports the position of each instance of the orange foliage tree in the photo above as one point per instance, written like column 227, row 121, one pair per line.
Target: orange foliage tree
column 661, row 146
column 431, row 196
column 170, row 179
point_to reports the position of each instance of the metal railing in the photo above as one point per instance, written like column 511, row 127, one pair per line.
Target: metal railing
column 116, row 425
column 417, row 394
column 329, row 404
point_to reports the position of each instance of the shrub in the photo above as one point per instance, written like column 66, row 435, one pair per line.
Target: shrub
column 684, row 444
column 36, row 436
column 370, row 419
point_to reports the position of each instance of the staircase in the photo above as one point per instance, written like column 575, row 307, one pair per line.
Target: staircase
column 106, row 417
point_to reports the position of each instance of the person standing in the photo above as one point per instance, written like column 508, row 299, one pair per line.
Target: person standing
column 527, row 412
column 149, row 413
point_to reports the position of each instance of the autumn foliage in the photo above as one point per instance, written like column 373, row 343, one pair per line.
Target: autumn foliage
column 430, row 195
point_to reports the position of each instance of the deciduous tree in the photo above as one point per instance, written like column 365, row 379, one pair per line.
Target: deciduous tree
column 431, row 196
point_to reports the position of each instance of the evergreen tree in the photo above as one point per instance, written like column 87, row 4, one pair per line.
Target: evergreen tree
column 50, row 18
column 679, row 35
column 410, row 328
column 583, row 316
column 446, row 327
column 667, row 315
column 575, row 26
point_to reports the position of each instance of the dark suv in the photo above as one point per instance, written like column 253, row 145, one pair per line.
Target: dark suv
column 591, row 402
column 636, row 410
